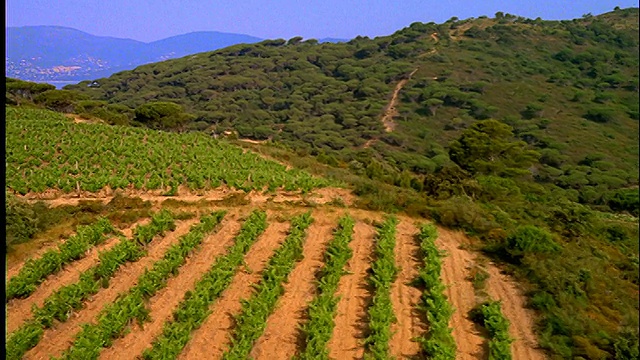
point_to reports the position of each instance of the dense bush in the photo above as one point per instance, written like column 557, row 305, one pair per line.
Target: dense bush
column 600, row 114
column 60, row 100
column 20, row 221
column 530, row 239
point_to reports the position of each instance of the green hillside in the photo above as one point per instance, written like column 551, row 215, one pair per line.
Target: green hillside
column 522, row 132
column 567, row 88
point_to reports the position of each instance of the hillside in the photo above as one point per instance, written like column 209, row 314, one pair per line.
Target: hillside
column 564, row 82
column 523, row 133
column 55, row 53
column 162, row 253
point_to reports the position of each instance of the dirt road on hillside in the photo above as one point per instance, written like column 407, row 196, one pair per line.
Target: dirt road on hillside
column 391, row 110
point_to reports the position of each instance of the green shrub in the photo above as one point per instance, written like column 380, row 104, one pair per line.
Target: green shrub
column 60, row 100
column 626, row 200
column 530, row 239
column 20, row 221
column 601, row 114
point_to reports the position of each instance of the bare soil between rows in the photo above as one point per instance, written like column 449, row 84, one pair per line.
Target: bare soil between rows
column 355, row 296
column 163, row 304
column 60, row 336
column 405, row 298
column 281, row 338
column 211, row 340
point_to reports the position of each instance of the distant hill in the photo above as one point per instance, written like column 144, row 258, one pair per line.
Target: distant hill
column 332, row 40
column 55, row 53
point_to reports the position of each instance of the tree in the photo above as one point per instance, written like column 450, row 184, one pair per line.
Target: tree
column 532, row 111
column 60, row 100
column 26, row 89
column 489, row 147
column 294, row 40
column 162, row 115
column 433, row 104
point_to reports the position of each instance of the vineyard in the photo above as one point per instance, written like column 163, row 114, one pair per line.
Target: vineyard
column 45, row 150
column 160, row 292
column 260, row 280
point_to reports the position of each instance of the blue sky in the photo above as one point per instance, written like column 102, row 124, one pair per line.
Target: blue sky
column 147, row 20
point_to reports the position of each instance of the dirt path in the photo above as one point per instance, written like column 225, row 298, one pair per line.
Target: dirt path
column 460, row 293
column 351, row 315
column 251, row 141
column 502, row 287
column 58, row 198
column 60, row 337
column 163, row 304
column 368, row 143
column 319, row 196
column 78, row 120
column 211, row 340
column 404, row 297
column 391, row 111
column 281, row 337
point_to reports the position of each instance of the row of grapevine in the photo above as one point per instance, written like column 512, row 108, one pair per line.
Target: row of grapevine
column 47, row 151
column 35, row 271
column 115, row 317
column 384, row 272
column 60, row 305
column 498, row 327
column 194, row 309
column 322, row 309
column 437, row 343
column 251, row 321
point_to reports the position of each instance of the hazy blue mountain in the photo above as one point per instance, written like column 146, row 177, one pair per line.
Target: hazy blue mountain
column 56, row 53
column 332, row 40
